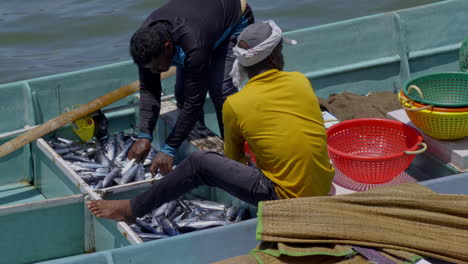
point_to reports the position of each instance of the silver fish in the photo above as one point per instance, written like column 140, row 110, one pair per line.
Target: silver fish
column 99, row 175
column 123, row 153
column 150, row 236
column 91, row 151
column 118, row 180
column 149, row 159
column 89, row 165
column 72, row 157
column 120, row 139
column 98, row 186
column 202, row 224
column 231, row 213
column 79, row 168
column 145, row 226
column 177, row 212
column 210, row 205
column 109, row 178
column 128, row 166
column 170, row 208
column 111, row 148
column 242, row 214
column 64, row 140
column 160, row 210
column 213, row 215
column 66, row 150
column 101, row 158
column 129, row 176
column 103, row 170
column 169, row 227
column 140, row 173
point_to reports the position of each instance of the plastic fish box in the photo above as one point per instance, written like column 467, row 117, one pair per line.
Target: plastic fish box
column 203, row 193
column 53, row 228
column 28, row 176
column 123, row 120
column 42, row 210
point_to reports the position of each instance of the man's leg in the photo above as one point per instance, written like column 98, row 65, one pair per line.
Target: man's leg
column 220, row 84
column 200, row 168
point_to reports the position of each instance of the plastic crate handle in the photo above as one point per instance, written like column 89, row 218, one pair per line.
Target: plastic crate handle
column 416, row 152
column 410, row 102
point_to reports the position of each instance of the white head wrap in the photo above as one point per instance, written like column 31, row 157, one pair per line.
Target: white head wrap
column 254, row 55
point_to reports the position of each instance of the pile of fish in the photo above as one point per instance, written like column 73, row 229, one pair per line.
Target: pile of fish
column 104, row 163
column 183, row 216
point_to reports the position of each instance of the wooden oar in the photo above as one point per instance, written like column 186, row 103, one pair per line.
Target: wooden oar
column 71, row 116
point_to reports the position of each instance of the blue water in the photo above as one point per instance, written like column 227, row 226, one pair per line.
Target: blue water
column 45, row 37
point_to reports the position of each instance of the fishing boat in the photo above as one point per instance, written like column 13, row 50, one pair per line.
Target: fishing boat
column 42, row 212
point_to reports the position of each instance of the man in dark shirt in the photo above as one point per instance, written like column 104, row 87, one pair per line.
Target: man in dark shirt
column 197, row 37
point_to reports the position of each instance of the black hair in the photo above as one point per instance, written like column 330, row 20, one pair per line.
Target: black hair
column 147, row 43
column 264, row 64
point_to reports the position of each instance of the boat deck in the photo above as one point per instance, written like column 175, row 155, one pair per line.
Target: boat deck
column 18, row 193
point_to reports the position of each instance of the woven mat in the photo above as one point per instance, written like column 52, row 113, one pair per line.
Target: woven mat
column 316, row 255
column 407, row 217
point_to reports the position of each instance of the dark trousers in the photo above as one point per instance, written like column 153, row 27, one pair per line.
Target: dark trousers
column 206, row 168
column 220, row 84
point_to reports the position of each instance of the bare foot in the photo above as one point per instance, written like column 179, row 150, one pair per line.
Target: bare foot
column 118, row 210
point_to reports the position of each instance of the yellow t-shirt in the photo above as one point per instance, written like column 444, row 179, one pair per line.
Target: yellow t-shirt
column 278, row 114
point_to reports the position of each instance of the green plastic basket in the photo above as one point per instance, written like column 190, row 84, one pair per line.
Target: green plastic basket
column 439, row 89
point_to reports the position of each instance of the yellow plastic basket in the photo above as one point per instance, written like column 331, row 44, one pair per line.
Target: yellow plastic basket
column 439, row 125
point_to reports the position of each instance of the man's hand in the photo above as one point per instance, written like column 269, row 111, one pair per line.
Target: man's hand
column 139, row 150
column 163, row 163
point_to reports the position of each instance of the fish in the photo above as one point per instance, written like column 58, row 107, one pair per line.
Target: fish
column 160, row 210
column 213, row 215
column 55, row 145
column 140, row 173
column 242, row 214
column 120, row 139
column 103, row 170
column 208, row 205
column 118, row 180
column 111, row 148
column 169, row 227
column 77, row 168
column 65, row 141
column 145, row 226
column 150, row 236
column 72, row 157
column 91, row 151
column 98, row 186
column 150, row 157
column 129, row 175
column 231, row 213
column 170, row 208
column 128, row 166
column 177, row 212
column 89, row 165
column 123, row 153
column 101, row 158
column 202, row 224
column 109, row 178
column 66, row 150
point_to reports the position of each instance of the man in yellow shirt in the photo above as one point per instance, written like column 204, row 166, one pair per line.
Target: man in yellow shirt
column 279, row 116
column 277, row 113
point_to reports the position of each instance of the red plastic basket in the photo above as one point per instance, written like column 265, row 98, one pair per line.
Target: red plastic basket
column 373, row 150
column 249, row 153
